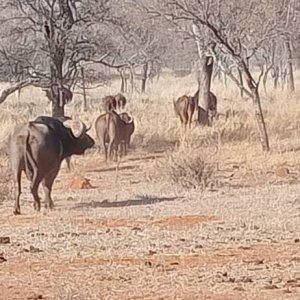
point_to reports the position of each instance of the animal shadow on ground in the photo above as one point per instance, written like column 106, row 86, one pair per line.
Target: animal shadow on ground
column 140, row 200
column 149, row 157
column 160, row 145
column 112, row 169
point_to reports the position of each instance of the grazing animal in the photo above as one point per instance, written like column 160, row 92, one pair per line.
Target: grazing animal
column 121, row 101
column 128, row 132
column 212, row 105
column 111, row 129
column 109, row 103
column 38, row 148
column 184, row 107
column 52, row 122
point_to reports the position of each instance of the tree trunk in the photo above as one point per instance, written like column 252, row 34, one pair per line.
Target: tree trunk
column 290, row 73
column 83, row 89
column 276, row 81
column 57, row 99
column 206, row 68
column 123, row 88
column 131, row 79
column 264, row 139
column 145, row 76
column 241, row 83
column 282, row 75
column 275, row 76
column 265, row 79
column 225, row 80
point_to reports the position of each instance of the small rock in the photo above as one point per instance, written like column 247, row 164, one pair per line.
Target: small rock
column 246, row 279
column 137, row 229
column 239, row 289
column 282, row 172
column 32, row 249
column 271, row 287
column 4, row 240
column 2, row 258
column 35, row 297
column 297, row 240
column 148, row 263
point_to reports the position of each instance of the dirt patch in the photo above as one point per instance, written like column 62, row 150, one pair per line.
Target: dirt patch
column 254, row 255
column 171, row 221
column 188, row 220
column 153, row 266
column 35, row 218
column 251, row 255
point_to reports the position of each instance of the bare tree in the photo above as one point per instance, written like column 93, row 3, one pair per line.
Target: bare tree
column 51, row 39
column 236, row 35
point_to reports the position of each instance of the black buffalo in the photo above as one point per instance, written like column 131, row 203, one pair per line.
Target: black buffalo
column 38, row 148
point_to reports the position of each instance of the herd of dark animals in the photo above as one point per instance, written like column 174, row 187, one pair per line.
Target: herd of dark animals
column 39, row 147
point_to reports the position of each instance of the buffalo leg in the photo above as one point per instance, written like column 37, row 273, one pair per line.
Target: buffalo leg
column 123, row 151
column 181, row 119
column 110, row 149
column 116, row 148
column 105, row 148
column 34, row 186
column 34, row 192
column 17, row 209
column 125, row 148
column 190, row 121
column 47, row 186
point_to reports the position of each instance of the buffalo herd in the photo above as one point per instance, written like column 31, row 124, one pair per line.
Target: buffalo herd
column 39, row 147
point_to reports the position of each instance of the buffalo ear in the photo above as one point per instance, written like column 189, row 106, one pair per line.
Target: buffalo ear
column 76, row 126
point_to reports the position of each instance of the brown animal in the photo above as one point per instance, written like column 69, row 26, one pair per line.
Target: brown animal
column 109, row 103
column 128, row 133
column 212, row 105
column 184, row 108
column 121, row 101
column 111, row 129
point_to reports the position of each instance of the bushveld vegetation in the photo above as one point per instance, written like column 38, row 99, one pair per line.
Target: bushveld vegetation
column 190, row 213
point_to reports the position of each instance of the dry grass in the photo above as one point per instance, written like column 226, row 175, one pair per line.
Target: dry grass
column 189, row 168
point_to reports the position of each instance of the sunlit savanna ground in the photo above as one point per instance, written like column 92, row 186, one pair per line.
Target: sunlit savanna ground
column 198, row 215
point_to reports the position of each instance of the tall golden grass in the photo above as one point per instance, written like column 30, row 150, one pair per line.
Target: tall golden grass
column 232, row 140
